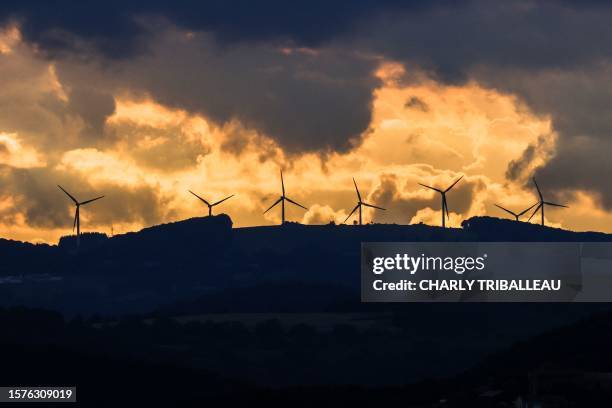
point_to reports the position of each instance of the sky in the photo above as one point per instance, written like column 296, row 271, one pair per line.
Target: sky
column 144, row 101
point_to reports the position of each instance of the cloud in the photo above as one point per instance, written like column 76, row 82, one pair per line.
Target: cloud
column 309, row 86
column 534, row 156
column 33, row 107
column 405, row 200
column 14, row 153
column 580, row 166
column 115, row 28
column 323, row 214
column 262, row 71
column 166, row 149
column 576, row 102
column 179, row 99
column 552, row 61
column 305, row 101
column 37, row 199
column 455, row 40
column 395, row 194
column 93, row 107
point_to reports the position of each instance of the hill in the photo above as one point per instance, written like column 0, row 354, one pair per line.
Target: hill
column 205, row 265
column 273, row 298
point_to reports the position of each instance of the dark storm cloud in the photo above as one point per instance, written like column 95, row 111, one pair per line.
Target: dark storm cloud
column 305, row 103
column 518, row 168
column 60, row 26
column 94, row 107
column 451, row 41
column 113, row 27
column 448, row 37
column 305, row 100
column 580, row 164
column 577, row 101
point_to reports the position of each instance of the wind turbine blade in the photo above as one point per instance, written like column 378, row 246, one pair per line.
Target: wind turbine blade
column 373, row 206
column 534, row 212
column 352, row 212
column 76, row 214
column 538, row 188
column 68, row 194
column 282, row 183
column 524, row 211
column 431, row 188
column 356, row 189
column 453, row 185
column 556, row 205
column 93, row 199
column 203, row 200
column 293, row 202
column 510, row 212
column 272, row 206
column 220, row 201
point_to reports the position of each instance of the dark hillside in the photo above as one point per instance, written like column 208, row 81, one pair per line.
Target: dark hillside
column 203, row 265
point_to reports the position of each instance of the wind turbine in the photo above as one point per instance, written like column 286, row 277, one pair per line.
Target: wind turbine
column 360, row 204
column 516, row 216
column 77, row 213
column 444, row 204
column 542, row 203
column 282, row 201
column 210, row 206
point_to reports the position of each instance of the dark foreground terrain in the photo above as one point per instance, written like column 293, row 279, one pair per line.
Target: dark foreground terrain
column 131, row 363
column 196, row 312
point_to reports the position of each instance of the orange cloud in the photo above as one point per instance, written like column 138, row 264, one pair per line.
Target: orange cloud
column 421, row 131
column 14, row 153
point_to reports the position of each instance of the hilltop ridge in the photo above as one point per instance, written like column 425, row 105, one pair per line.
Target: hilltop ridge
column 483, row 228
column 210, row 238
column 204, row 263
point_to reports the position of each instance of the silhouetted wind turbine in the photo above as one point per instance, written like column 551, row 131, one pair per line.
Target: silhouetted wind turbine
column 444, row 204
column 77, row 214
column 282, row 201
column 210, row 206
column 516, row 216
column 360, row 204
column 542, row 203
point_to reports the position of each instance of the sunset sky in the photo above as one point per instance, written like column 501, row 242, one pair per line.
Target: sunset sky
column 141, row 103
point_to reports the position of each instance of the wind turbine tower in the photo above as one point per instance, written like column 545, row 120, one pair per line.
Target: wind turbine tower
column 282, row 200
column 542, row 203
column 360, row 204
column 77, row 213
column 444, row 203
